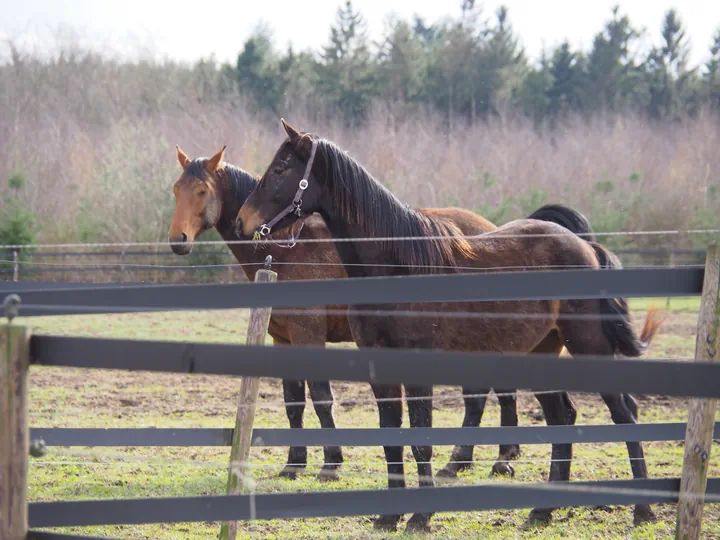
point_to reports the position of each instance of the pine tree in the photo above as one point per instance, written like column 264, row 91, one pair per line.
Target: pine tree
column 532, row 98
column 402, row 64
column 257, row 71
column 613, row 77
column 568, row 75
column 671, row 83
column 712, row 73
column 346, row 73
column 505, row 64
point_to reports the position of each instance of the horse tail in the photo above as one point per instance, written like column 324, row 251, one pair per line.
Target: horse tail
column 571, row 219
column 617, row 326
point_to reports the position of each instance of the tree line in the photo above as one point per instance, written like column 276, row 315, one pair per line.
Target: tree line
column 472, row 67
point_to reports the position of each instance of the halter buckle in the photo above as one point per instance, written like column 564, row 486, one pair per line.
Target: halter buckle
column 303, row 184
column 264, row 230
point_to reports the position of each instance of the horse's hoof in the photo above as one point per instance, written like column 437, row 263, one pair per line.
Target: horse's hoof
column 418, row 523
column 642, row 515
column 537, row 518
column 452, row 469
column 386, row 523
column 502, row 468
column 329, row 474
column 446, row 472
column 291, row 472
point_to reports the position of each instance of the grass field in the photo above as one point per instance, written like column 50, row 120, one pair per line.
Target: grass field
column 93, row 398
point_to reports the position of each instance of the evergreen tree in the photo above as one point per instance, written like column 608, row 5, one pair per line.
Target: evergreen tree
column 614, row 81
column 346, row 74
column 257, row 71
column 568, row 80
column 670, row 80
column 532, row 98
column 402, row 64
column 505, row 65
column 712, row 73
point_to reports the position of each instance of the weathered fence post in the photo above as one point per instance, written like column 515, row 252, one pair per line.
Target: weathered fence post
column 14, row 442
column 16, row 266
column 701, row 417
column 242, row 435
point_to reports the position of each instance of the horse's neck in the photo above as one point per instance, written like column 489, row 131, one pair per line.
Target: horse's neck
column 358, row 258
column 243, row 253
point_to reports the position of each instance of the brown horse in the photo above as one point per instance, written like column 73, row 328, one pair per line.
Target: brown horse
column 210, row 192
column 309, row 174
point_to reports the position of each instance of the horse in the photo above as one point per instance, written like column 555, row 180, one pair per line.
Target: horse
column 310, row 174
column 209, row 194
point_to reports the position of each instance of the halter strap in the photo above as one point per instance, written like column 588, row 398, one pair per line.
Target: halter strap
column 295, row 206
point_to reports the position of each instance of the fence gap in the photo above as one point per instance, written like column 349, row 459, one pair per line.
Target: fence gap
column 14, row 439
column 701, row 415
column 242, row 434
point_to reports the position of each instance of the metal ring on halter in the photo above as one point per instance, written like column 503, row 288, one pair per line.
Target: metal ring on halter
column 264, row 229
column 303, row 184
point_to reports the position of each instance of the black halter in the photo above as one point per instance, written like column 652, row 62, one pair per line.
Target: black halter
column 295, row 207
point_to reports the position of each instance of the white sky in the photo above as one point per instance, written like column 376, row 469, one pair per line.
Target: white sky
column 189, row 29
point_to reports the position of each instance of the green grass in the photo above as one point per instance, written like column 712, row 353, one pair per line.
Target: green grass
column 94, row 398
column 679, row 304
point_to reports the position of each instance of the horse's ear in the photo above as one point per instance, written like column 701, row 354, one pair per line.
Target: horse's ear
column 212, row 164
column 295, row 136
column 182, row 157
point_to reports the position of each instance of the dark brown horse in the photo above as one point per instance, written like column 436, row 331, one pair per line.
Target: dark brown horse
column 309, row 174
column 209, row 194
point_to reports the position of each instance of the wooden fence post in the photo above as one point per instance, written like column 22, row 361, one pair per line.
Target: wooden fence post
column 14, row 433
column 16, row 266
column 701, row 417
column 242, row 435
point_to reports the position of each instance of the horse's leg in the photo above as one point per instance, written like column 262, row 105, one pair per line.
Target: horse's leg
column 294, row 395
column 419, row 403
column 559, row 410
column 590, row 337
column 462, row 455
column 508, row 418
column 551, row 344
column 322, row 397
column 623, row 409
column 390, row 413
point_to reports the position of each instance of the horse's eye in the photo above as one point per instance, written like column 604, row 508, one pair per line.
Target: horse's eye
column 202, row 193
column 279, row 169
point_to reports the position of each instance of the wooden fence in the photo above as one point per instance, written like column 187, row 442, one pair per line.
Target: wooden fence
column 697, row 379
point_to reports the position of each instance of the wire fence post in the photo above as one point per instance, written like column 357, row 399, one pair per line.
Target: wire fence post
column 14, row 438
column 242, row 434
column 16, row 266
column 701, row 414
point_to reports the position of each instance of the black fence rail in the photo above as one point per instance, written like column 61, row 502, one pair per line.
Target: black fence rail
column 385, row 366
column 356, row 503
column 179, row 437
column 470, row 287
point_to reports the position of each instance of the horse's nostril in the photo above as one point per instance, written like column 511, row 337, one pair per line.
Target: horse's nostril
column 238, row 227
column 183, row 237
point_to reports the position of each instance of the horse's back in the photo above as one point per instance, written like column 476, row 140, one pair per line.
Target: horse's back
column 532, row 244
column 467, row 221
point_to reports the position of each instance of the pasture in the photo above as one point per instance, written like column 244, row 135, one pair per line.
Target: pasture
column 62, row 397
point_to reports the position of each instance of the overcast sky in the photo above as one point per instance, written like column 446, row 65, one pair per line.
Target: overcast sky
column 187, row 30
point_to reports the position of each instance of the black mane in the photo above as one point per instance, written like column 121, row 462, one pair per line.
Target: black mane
column 364, row 202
